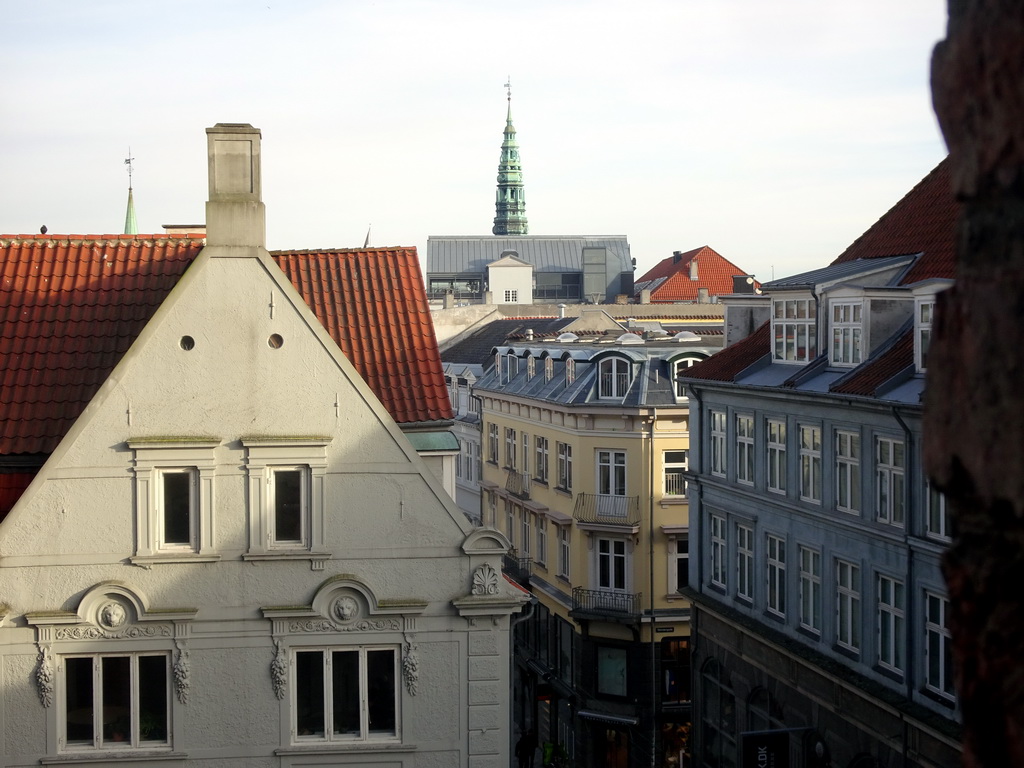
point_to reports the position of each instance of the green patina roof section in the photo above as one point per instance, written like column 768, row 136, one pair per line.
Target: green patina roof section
column 131, row 227
column 433, row 441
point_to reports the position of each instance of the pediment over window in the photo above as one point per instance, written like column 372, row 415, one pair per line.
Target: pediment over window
column 109, row 609
column 485, row 541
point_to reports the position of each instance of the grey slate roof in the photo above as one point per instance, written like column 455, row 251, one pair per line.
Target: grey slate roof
column 836, row 273
column 559, row 253
column 477, row 348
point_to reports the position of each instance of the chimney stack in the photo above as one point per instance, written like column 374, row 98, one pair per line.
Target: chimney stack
column 235, row 214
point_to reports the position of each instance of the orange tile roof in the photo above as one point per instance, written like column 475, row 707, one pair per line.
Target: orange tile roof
column 734, row 359
column 374, row 305
column 71, row 306
column 924, row 221
column 714, row 272
column 880, row 369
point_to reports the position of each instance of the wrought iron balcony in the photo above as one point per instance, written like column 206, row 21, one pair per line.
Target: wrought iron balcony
column 518, row 568
column 675, row 483
column 607, row 509
column 605, row 603
column 518, row 483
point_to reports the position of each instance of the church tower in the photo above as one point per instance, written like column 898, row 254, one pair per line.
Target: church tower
column 131, row 227
column 510, row 205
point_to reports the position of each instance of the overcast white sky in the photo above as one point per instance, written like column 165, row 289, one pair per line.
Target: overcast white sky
column 774, row 131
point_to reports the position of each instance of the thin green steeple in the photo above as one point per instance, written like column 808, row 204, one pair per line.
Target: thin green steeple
column 131, row 227
column 510, row 205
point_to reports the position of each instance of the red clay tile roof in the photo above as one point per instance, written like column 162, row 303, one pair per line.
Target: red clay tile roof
column 714, row 272
column 924, row 221
column 373, row 303
column 734, row 359
column 866, row 379
column 71, row 306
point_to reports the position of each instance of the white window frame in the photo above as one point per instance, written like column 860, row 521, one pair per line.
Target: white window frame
column 775, row 445
column 678, row 556
column 892, row 602
column 775, row 560
column 365, row 734
column 511, row 366
column 531, row 367
column 134, row 740
column 511, row 296
column 718, row 444
column 847, row 450
column 612, row 560
column 510, row 522
column 847, row 333
column 674, row 464
column 510, row 448
column 524, row 443
column 679, row 368
column 564, row 466
column 264, row 458
column 744, row 448
column 492, row 443
column 570, row 371
column 937, row 520
column 938, row 646
column 192, row 476
column 614, row 377
column 541, row 556
column 564, row 551
column 273, row 486
column 152, row 460
column 611, row 472
column 541, row 458
column 924, row 314
column 526, row 534
column 794, row 330
column 848, row 616
column 718, row 551
column 890, row 481
column 745, row 562
column 549, row 368
column 810, row 462
column 810, row 589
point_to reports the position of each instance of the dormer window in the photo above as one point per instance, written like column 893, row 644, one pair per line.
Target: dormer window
column 531, row 367
column 923, row 331
column 846, row 333
column 511, row 367
column 794, row 329
column 679, row 368
column 613, row 377
column 570, row 371
column 549, row 368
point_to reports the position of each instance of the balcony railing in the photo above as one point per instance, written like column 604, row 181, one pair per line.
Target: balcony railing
column 675, row 483
column 518, row 483
column 601, row 602
column 518, row 568
column 607, row 509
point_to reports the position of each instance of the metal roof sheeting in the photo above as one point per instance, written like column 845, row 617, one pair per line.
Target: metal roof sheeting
column 466, row 254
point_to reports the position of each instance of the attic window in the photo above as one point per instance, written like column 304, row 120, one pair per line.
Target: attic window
column 614, row 376
column 846, row 333
column 923, row 331
column 794, row 330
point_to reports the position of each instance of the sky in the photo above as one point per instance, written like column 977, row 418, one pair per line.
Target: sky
column 773, row 132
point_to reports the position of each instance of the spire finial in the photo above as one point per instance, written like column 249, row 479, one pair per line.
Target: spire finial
column 128, row 161
column 508, row 88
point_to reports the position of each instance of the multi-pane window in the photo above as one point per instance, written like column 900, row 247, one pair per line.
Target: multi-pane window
column 177, row 508
column 564, row 466
column 745, row 449
column 776, row 561
column 890, row 464
column 891, row 623
column 675, row 463
column 613, row 377
column 744, row 562
column 570, row 371
column 810, row 589
column 718, row 550
column 526, row 535
column 846, row 333
column 463, row 449
column 776, row 445
column 541, row 458
column 718, row 429
column 794, row 328
column 345, row 694
column 937, row 520
column 848, row 605
column 510, row 523
column 678, row 564
column 848, row 471
column 531, row 367
column 115, row 701
column 549, row 368
column 923, row 332
column 810, row 463
column 678, row 370
column 611, row 473
column 938, row 646
column 541, row 555
column 511, row 297
column 289, row 506
column 525, row 466
column 492, row 443
column 511, row 367
column 510, row 448
column 611, row 564
column 563, row 551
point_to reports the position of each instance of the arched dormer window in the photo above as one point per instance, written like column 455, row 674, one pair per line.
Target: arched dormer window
column 570, row 371
column 678, row 368
column 549, row 368
column 531, row 367
column 614, row 377
column 511, row 366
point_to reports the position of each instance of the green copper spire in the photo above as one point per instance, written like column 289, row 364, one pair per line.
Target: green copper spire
column 131, row 227
column 510, row 206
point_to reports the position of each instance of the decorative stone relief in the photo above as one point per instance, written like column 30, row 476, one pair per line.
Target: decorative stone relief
column 411, row 666
column 345, row 608
column 279, row 670
column 182, row 674
column 112, row 615
column 44, row 676
column 97, row 633
column 363, row 625
column 485, row 580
